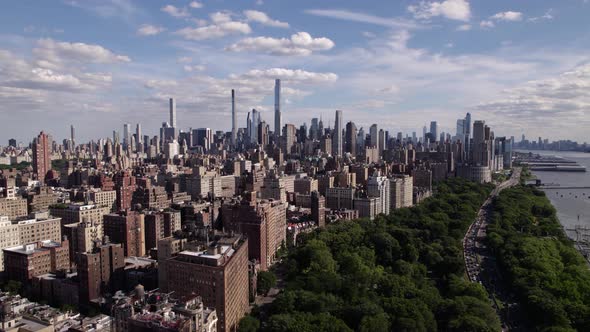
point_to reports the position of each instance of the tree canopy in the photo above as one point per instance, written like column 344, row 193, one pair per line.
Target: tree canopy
column 549, row 277
column 401, row 272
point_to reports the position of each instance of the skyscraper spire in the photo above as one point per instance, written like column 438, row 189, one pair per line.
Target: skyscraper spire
column 278, row 118
column 234, row 119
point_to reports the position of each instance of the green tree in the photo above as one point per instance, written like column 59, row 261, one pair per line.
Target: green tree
column 265, row 281
column 249, row 324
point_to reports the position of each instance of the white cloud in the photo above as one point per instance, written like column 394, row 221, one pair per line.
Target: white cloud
column 261, row 17
column 486, row 24
column 196, row 4
column 57, row 52
column 507, row 16
column 452, row 9
column 149, row 30
column 123, row 9
column 221, row 26
column 547, row 16
column 18, row 73
column 189, row 68
column 464, row 27
column 159, row 84
column 214, row 31
column 364, row 18
column 289, row 75
column 301, row 43
column 220, row 17
column 537, row 104
column 175, row 11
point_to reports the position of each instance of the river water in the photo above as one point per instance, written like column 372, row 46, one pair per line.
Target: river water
column 572, row 205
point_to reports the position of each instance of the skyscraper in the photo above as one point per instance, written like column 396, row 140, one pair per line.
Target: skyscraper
column 434, row 130
column 172, row 113
column 350, row 138
column 278, row 119
column 481, row 148
column 337, row 140
column 314, row 129
column 138, row 138
column 234, row 119
column 41, row 156
column 467, row 131
column 374, row 133
column 253, row 122
column 126, row 135
column 73, row 136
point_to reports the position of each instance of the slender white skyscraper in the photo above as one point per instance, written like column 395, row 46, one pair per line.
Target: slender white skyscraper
column 138, row 138
column 234, row 118
column 278, row 119
column 172, row 113
column 337, row 140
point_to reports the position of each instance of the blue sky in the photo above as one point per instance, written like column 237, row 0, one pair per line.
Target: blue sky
column 520, row 65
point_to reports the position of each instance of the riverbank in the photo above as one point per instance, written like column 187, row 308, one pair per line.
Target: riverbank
column 566, row 190
column 550, row 280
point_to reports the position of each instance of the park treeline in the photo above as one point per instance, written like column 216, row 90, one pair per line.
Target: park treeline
column 401, row 272
column 548, row 277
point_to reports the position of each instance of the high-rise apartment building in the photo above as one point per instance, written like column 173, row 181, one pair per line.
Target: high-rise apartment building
column 234, row 119
column 337, row 141
column 218, row 274
column 289, row 138
column 124, row 186
column 401, row 192
column 278, row 116
column 100, row 271
column 73, row 136
column 172, row 103
column 41, row 156
column 126, row 227
column 318, row 209
column 378, row 187
column 138, row 139
column 263, row 222
column 9, row 237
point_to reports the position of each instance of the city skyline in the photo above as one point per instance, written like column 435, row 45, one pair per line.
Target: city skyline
column 395, row 63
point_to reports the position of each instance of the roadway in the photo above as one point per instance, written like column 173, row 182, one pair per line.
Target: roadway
column 475, row 252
